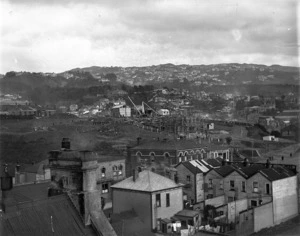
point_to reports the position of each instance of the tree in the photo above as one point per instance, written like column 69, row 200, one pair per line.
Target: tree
column 111, row 77
column 10, row 74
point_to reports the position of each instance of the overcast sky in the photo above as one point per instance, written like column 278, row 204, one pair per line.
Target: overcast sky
column 58, row 35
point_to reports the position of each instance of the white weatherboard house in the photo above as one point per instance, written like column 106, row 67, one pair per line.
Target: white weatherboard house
column 150, row 195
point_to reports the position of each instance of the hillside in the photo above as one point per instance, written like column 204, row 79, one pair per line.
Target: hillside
column 78, row 83
column 231, row 73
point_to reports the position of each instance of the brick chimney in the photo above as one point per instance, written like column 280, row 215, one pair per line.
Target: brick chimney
column 135, row 174
column 268, row 164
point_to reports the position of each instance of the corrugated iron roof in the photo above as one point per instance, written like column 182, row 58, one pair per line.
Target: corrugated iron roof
column 201, row 166
column 53, row 216
column 190, row 167
column 147, row 181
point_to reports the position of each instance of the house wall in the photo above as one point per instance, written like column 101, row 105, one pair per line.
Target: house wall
column 161, row 162
column 189, row 189
column 217, row 201
column 109, row 173
column 47, row 173
column 126, row 200
column 199, row 187
column 237, row 178
column 246, row 223
column 70, row 180
column 111, row 176
column 30, row 177
column 216, row 179
column 263, row 216
column 285, row 199
column 261, row 194
column 234, row 208
column 176, row 205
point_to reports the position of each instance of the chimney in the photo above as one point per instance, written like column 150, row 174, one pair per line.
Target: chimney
column 268, row 164
column 65, row 144
column 176, row 178
column 246, row 162
column 18, row 167
column 135, row 175
column 138, row 140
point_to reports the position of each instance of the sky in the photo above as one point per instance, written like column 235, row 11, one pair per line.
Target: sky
column 59, row 35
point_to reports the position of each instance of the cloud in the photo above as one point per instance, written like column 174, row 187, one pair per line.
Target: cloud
column 59, row 35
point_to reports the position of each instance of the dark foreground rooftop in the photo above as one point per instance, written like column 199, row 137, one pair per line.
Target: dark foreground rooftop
column 27, row 210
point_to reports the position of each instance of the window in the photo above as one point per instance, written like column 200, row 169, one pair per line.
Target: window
column 139, row 169
column 120, row 169
column 231, row 184
column 179, row 159
column 115, row 170
column 243, row 186
column 167, row 200
column 209, row 196
column 221, row 184
column 152, row 157
column 103, row 170
column 210, row 183
column 188, row 178
column 230, row 199
column 104, row 188
column 157, row 197
column 255, row 187
column 253, row 203
column 267, row 188
column 153, row 169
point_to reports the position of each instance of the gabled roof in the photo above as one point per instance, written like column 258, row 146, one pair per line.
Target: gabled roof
column 146, row 181
column 252, row 170
column 225, row 170
column 196, row 166
column 190, row 167
column 214, row 162
column 276, row 173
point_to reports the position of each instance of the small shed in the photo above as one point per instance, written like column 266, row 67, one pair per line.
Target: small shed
column 188, row 217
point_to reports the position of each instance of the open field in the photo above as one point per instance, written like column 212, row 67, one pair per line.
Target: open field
column 19, row 141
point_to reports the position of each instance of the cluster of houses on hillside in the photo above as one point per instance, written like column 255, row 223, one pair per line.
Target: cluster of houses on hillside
column 165, row 186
